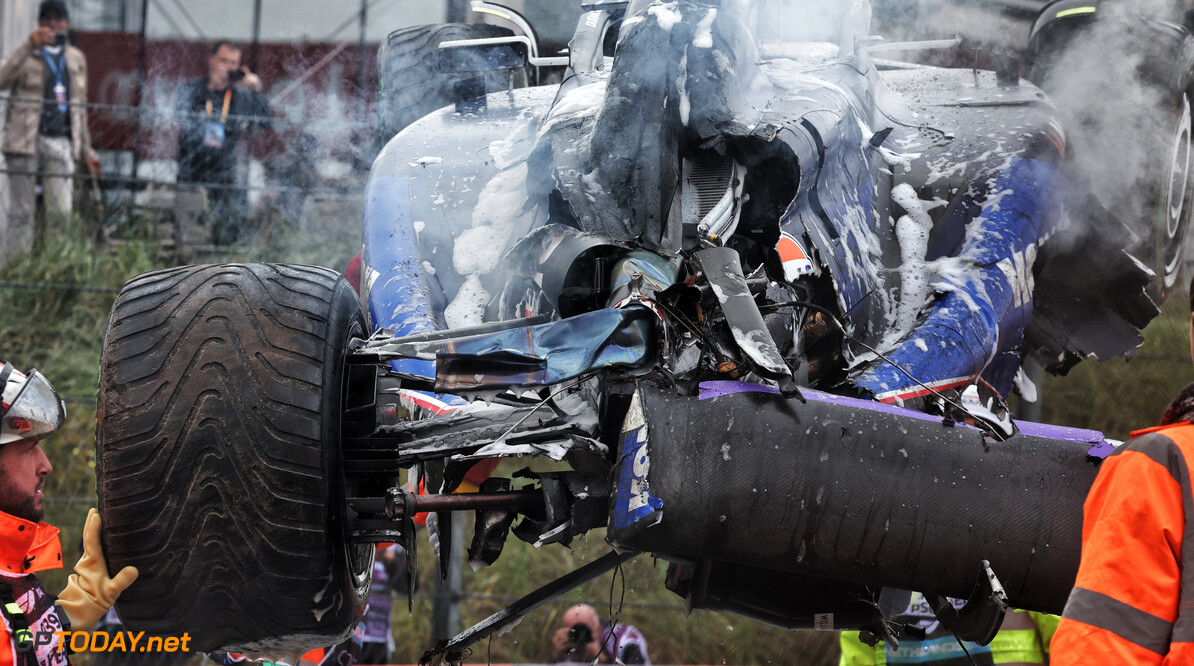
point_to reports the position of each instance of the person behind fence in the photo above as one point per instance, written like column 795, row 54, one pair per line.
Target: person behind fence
column 583, row 638
column 33, row 620
column 45, row 131
column 213, row 112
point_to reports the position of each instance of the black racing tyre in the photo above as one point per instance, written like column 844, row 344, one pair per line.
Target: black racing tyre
column 217, row 456
column 1178, row 201
column 410, row 82
column 1133, row 147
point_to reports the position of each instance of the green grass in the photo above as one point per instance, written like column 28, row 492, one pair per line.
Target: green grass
column 59, row 332
column 1122, row 395
column 703, row 637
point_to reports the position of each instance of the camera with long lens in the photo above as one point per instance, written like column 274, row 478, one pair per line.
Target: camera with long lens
column 580, row 634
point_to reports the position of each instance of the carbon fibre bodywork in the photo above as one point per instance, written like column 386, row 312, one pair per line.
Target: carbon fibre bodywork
column 824, row 141
column 751, row 292
column 891, row 229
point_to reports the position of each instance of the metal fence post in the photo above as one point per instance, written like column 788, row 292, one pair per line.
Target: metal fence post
column 445, row 609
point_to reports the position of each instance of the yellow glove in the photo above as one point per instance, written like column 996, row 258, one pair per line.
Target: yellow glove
column 89, row 592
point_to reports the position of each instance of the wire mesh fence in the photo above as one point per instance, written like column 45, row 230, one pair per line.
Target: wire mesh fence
column 281, row 177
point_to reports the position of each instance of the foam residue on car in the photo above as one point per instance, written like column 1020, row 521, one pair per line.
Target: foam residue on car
column 704, row 31
column 666, row 15
column 478, row 250
column 578, row 103
column 912, row 231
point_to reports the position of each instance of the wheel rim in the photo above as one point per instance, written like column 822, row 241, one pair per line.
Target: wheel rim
column 359, row 556
column 1177, row 204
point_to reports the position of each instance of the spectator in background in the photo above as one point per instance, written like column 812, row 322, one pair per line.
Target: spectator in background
column 46, row 127
column 213, row 112
column 389, row 576
column 583, row 638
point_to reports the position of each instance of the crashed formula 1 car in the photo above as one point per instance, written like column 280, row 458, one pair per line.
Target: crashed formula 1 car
column 760, row 288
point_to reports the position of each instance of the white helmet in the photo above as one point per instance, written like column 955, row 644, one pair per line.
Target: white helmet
column 29, row 407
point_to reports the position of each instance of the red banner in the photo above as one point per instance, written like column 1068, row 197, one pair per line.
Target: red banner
column 312, row 87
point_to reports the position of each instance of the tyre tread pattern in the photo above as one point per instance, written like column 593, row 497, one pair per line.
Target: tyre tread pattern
column 411, row 83
column 211, row 465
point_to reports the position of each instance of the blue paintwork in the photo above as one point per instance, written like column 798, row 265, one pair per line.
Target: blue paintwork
column 984, row 311
column 634, row 501
column 396, row 299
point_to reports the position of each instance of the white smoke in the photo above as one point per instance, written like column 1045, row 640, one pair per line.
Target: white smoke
column 1120, row 125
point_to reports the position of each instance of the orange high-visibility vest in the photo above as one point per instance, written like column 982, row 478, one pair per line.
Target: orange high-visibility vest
column 1133, row 600
column 27, row 548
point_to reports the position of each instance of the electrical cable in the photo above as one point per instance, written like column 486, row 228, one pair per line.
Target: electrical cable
column 574, row 383
column 614, row 616
column 963, row 646
column 841, row 327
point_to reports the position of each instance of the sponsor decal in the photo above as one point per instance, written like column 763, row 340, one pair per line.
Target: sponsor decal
column 794, row 258
column 634, row 500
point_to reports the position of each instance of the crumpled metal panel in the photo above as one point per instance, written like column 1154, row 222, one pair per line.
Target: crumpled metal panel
column 984, row 301
column 549, row 353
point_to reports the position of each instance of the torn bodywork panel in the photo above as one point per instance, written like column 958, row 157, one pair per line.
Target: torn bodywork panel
column 837, row 487
column 690, row 278
column 699, row 266
column 922, row 198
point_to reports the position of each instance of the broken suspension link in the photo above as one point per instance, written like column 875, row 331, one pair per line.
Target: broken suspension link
column 400, row 503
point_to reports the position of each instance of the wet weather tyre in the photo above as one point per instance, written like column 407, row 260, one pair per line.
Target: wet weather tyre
column 411, row 84
column 1178, row 200
column 217, row 461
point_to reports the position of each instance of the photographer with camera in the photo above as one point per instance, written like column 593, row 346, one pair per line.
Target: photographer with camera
column 45, row 131
column 213, row 112
column 583, row 639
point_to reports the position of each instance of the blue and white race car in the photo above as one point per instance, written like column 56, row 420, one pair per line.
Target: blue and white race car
column 758, row 282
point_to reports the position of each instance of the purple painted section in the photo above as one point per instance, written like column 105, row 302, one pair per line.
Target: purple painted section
column 622, row 637
column 1060, row 432
column 715, row 389
column 1100, row 447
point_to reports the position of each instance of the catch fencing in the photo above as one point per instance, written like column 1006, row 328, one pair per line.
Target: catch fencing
column 290, row 175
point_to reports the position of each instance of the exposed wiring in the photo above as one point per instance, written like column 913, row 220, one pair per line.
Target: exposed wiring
column 576, row 382
column 837, row 322
column 614, row 616
column 677, row 315
column 963, row 646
